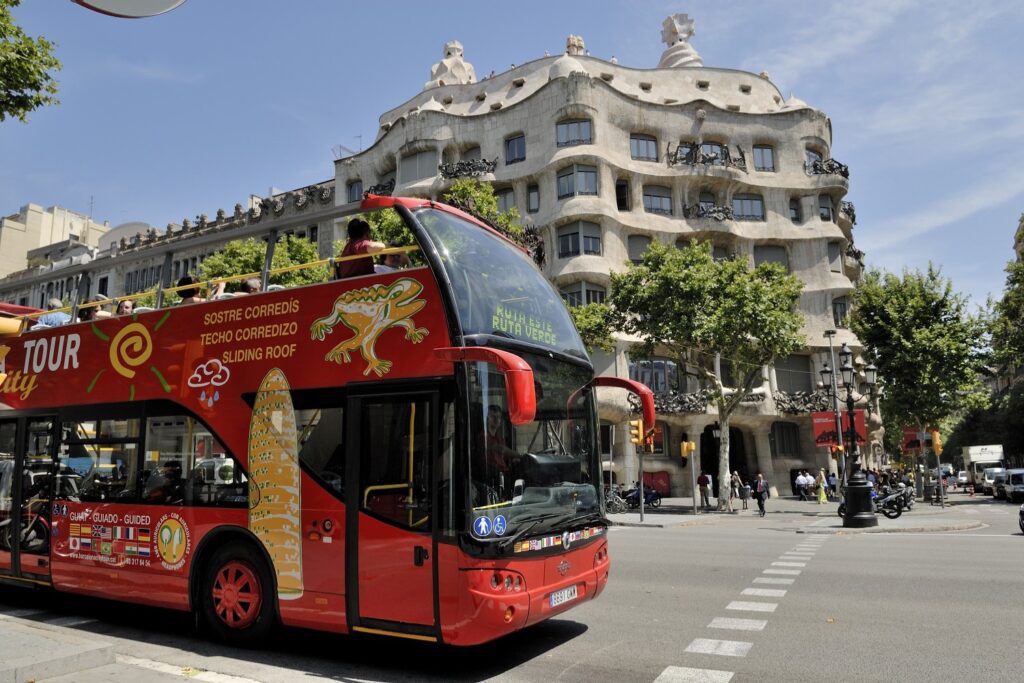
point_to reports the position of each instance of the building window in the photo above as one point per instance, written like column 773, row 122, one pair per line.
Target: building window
column 638, row 245
column 840, row 311
column 720, row 253
column 794, row 211
column 825, row 207
column 748, row 207
column 658, row 200
column 660, row 375
column 574, row 236
column 101, row 289
column 515, row 149
column 574, row 132
column 811, row 156
column 419, row 165
column 786, row 439
column 583, row 293
column 771, row 253
column 643, row 147
column 506, row 199
column 576, row 179
column 706, row 200
column 471, row 154
column 532, row 198
column 764, row 158
column 355, row 191
column 793, row 373
column 314, row 233
column 713, row 148
column 622, row 195
column 835, row 257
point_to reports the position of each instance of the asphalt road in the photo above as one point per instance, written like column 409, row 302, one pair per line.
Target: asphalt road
column 749, row 598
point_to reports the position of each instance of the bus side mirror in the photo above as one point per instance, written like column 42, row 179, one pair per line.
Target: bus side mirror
column 519, row 385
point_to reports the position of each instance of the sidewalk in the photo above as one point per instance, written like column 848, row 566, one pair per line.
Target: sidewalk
column 676, row 512
column 30, row 652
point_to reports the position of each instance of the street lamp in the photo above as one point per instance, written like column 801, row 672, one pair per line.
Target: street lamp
column 830, row 381
column 859, row 510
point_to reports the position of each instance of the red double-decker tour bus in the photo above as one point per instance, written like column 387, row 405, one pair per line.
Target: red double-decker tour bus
column 410, row 453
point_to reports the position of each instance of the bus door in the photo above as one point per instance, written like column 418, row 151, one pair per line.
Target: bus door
column 390, row 566
column 39, row 475
column 8, row 489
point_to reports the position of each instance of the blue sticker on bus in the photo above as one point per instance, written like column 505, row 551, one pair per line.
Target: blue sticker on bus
column 482, row 526
column 499, row 525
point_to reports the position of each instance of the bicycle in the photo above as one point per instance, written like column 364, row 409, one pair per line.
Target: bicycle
column 614, row 503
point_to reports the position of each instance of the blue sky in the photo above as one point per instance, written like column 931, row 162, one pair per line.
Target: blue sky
column 194, row 110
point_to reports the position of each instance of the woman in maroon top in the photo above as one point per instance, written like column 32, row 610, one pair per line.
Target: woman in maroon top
column 359, row 242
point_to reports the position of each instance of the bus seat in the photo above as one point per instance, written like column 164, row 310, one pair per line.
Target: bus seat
column 275, row 288
column 143, row 309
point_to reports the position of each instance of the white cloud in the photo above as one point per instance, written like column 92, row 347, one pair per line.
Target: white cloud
column 157, row 72
column 985, row 194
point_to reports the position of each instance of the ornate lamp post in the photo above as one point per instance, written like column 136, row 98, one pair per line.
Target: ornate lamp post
column 859, row 510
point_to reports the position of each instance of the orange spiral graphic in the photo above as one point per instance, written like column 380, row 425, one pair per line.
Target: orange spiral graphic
column 130, row 348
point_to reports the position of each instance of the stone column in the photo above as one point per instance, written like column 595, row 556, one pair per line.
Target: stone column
column 762, row 444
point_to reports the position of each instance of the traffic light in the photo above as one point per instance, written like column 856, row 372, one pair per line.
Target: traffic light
column 636, row 431
column 936, row 442
column 837, row 452
column 686, row 448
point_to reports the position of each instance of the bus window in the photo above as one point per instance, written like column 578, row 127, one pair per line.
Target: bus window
column 394, row 461
column 105, row 453
column 320, row 445
column 186, row 464
column 8, row 432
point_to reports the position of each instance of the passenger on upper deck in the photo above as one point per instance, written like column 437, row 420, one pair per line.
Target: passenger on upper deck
column 125, row 307
column 392, row 262
column 93, row 311
column 55, row 318
column 359, row 242
column 191, row 295
column 252, row 286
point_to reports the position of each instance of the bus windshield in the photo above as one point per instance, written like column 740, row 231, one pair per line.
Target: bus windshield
column 498, row 290
column 541, row 471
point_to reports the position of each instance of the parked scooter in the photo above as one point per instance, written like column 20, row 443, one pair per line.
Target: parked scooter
column 651, row 497
column 888, row 503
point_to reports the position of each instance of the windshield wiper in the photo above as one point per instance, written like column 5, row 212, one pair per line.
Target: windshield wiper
column 531, row 521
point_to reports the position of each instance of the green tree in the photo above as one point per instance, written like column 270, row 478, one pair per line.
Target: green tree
column 928, row 348
column 685, row 303
column 25, row 65
column 478, row 198
column 239, row 257
column 594, row 325
column 1007, row 325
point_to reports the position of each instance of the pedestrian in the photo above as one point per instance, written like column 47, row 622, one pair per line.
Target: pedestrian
column 734, row 489
column 761, row 492
column 832, row 483
column 821, row 487
column 703, row 482
column 745, row 494
column 801, row 485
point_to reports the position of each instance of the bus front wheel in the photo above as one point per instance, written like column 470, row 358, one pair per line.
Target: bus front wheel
column 236, row 599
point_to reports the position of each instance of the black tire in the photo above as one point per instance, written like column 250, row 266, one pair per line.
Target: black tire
column 892, row 511
column 656, row 501
column 239, row 564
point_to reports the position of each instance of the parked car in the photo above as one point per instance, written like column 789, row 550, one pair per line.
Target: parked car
column 961, row 478
column 1015, row 485
column 987, row 477
column 999, row 486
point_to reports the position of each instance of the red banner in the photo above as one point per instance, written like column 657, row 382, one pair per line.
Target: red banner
column 825, row 428
column 914, row 438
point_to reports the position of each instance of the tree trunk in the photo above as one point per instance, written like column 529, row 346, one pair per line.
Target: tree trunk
column 724, row 475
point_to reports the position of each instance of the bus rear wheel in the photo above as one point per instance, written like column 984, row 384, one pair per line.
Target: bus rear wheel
column 236, row 599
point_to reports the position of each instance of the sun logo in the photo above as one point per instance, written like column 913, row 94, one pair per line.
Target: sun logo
column 129, row 349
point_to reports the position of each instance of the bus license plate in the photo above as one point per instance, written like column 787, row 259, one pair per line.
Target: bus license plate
column 563, row 596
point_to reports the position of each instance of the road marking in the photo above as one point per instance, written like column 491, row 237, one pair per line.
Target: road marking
column 724, row 648
column 764, row 592
column 789, row 564
column 783, row 572
column 69, row 621
column 738, row 624
column 685, row 674
column 796, row 557
column 752, row 606
column 22, row 613
column 183, row 672
column 777, row 582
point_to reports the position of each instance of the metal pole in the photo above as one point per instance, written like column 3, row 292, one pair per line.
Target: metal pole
column 640, row 484
column 693, row 484
column 841, row 463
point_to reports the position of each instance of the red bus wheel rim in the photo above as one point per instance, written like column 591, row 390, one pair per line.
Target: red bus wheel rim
column 237, row 595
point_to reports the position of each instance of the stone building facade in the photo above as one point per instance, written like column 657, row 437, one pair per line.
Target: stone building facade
column 606, row 158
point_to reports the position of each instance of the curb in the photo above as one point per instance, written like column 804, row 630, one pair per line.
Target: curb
column 665, row 525
column 30, row 668
column 963, row 526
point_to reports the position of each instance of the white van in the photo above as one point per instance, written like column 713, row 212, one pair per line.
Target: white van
column 988, row 476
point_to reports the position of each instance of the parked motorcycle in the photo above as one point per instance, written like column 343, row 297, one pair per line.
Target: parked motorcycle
column 888, row 503
column 651, row 498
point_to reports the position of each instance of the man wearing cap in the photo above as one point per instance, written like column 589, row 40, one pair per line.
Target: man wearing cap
column 54, row 318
